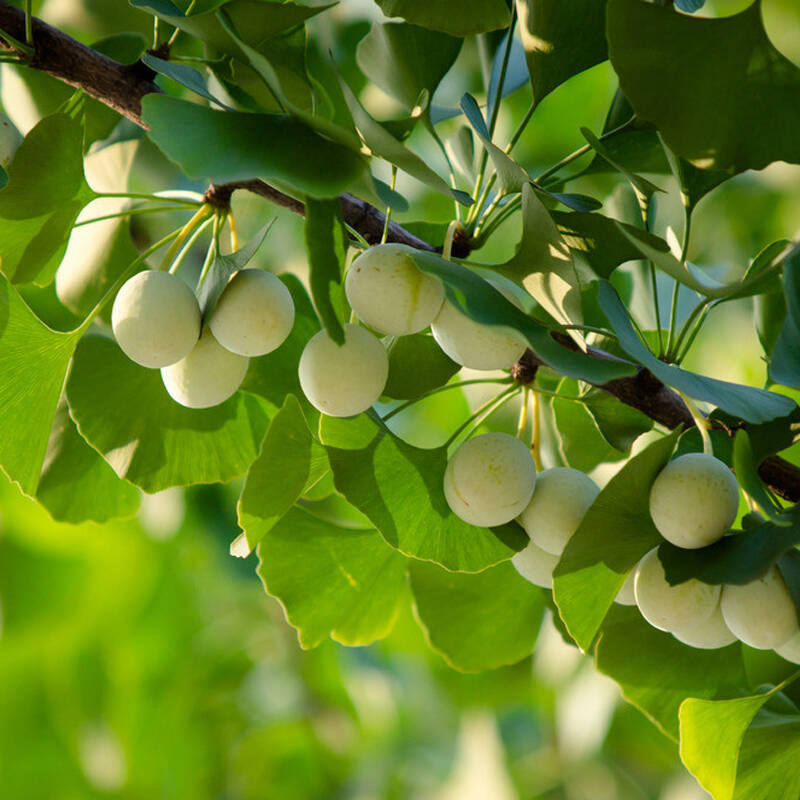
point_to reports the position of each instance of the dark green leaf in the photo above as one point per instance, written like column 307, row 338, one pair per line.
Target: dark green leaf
column 33, row 363
column 561, row 38
column 125, row 413
column 657, row 673
column 326, row 245
column 416, row 366
column 481, row 302
column 460, row 614
column 223, row 266
column 729, row 119
column 784, row 367
column 184, row 75
column 76, row 484
column 127, row 48
column 225, row 146
column 581, row 442
column 399, row 487
column 695, row 183
column 341, row 582
column 456, row 17
column 746, row 402
column 276, row 479
column 619, row 424
column 740, row 558
column 746, row 468
column 615, row 533
column 405, row 59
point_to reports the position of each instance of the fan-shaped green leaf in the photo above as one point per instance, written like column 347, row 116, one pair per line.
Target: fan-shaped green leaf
column 339, row 582
column 460, row 614
column 124, row 411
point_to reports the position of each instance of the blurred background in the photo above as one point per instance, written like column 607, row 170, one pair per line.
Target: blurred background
column 139, row 660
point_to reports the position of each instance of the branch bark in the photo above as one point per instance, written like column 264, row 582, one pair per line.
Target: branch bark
column 122, row 87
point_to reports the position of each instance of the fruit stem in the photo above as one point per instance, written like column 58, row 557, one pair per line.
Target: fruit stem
column 202, row 212
column 447, row 248
column 482, row 413
column 700, row 421
column 112, row 290
column 523, row 413
column 446, row 387
column 233, row 232
column 132, row 212
column 388, row 216
column 536, row 434
column 181, row 257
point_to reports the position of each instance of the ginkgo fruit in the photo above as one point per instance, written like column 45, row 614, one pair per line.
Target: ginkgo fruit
column 254, row 314
column 625, row 595
column 490, row 479
column 207, row 376
column 790, row 650
column 560, row 500
column 708, row 635
column 10, row 140
column 473, row 344
column 155, row 319
column 694, row 500
column 343, row 380
column 535, row 565
column 671, row 608
column 390, row 293
column 761, row 613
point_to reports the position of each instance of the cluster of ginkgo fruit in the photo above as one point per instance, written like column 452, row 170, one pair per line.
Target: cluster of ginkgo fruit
column 157, row 322
column 491, row 479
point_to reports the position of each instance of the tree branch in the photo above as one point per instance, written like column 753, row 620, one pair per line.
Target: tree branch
column 122, row 87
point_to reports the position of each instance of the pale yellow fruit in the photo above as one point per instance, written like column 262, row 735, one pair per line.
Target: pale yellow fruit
column 343, row 380
column 671, row 608
column 560, row 500
column 208, row 376
column 694, row 500
column 10, row 140
column 708, row 635
column 535, row 565
column 625, row 595
column 475, row 345
column 761, row 613
column 156, row 319
column 490, row 479
column 390, row 293
column 254, row 314
column 790, row 650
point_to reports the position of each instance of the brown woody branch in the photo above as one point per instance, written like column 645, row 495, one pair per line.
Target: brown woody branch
column 122, row 87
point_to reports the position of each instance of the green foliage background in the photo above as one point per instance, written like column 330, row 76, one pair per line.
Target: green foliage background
column 139, row 660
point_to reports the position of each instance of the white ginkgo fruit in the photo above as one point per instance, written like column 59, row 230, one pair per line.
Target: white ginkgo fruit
column 761, row 613
column 625, row 595
column 671, row 608
column 390, row 293
column 708, row 635
column 254, row 314
column 694, row 500
column 475, row 345
column 207, row 376
column 10, row 140
column 790, row 650
column 490, row 479
column 535, row 565
column 343, row 380
column 560, row 500
column 156, row 319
